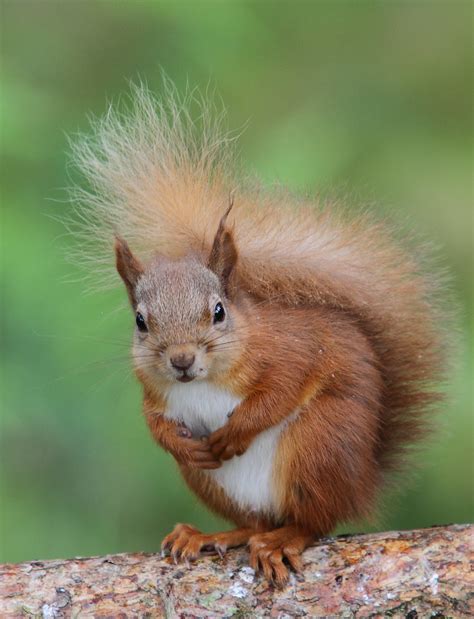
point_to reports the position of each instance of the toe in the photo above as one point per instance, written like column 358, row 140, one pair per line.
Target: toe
column 266, row 566
column 253, row 561
column 280, row 571
column 228, row 453
column 193, row 547
column 255, row 545
column 179, row 545
column 293, row 556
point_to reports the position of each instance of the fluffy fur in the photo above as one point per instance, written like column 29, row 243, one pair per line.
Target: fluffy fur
column 162, row 181
column 328, row 315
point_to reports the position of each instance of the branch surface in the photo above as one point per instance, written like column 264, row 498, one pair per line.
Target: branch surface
column 420, row 573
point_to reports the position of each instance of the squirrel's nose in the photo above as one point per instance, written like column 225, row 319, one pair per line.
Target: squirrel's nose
column 183, row 361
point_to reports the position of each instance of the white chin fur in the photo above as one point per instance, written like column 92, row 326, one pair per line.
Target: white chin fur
column 247, row 479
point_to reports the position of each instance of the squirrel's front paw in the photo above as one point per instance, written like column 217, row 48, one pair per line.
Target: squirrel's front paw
column 193, row 452
column 226, row 443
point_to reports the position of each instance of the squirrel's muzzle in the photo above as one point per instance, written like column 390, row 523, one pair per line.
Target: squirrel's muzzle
column 182, row 361
column 186, row 362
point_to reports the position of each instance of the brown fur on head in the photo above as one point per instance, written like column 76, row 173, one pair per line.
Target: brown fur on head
column 185, row 318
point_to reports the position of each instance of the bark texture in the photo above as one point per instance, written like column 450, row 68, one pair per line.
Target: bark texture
column 421, row 573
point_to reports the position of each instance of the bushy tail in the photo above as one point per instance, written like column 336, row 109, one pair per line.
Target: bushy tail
column 162, row 181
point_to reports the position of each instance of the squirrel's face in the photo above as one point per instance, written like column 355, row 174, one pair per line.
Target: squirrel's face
column 185, row 323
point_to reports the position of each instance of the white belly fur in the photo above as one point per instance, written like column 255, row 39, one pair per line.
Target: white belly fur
column 246, row 479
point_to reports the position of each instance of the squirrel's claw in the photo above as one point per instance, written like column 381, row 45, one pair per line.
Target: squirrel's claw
column 221, row 549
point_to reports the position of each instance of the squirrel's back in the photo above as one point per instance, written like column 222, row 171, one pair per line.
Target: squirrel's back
column 163, row 182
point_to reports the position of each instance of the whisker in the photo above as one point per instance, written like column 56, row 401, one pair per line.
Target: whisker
column 220, row 336
column 224, row 342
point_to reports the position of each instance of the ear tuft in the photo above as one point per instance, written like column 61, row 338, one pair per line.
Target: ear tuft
column 130, row 268
column 223, row 256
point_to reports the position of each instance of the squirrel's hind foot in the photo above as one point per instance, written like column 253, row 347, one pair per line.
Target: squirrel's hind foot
column 274, row 552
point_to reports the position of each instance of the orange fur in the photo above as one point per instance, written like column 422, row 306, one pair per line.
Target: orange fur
column 334, row 327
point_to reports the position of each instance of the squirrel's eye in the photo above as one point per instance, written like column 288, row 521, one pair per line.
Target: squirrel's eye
column 219, row 312
column 141, row 324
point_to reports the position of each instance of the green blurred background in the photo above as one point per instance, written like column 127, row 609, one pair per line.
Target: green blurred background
column 368, row 98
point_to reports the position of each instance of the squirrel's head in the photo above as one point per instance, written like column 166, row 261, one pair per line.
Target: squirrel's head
column 185, row 318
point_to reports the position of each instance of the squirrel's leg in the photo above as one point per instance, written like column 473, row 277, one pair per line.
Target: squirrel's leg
column 331, row 476
column 269, row 552
column 186, row 543
column 327, row 478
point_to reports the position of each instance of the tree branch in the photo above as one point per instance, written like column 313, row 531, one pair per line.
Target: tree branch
column 421, row 573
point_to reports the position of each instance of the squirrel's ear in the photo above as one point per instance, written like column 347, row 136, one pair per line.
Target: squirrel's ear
column 130, row 268
column 223, row 256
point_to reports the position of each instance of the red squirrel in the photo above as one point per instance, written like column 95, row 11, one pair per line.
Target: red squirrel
column 289, row 352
